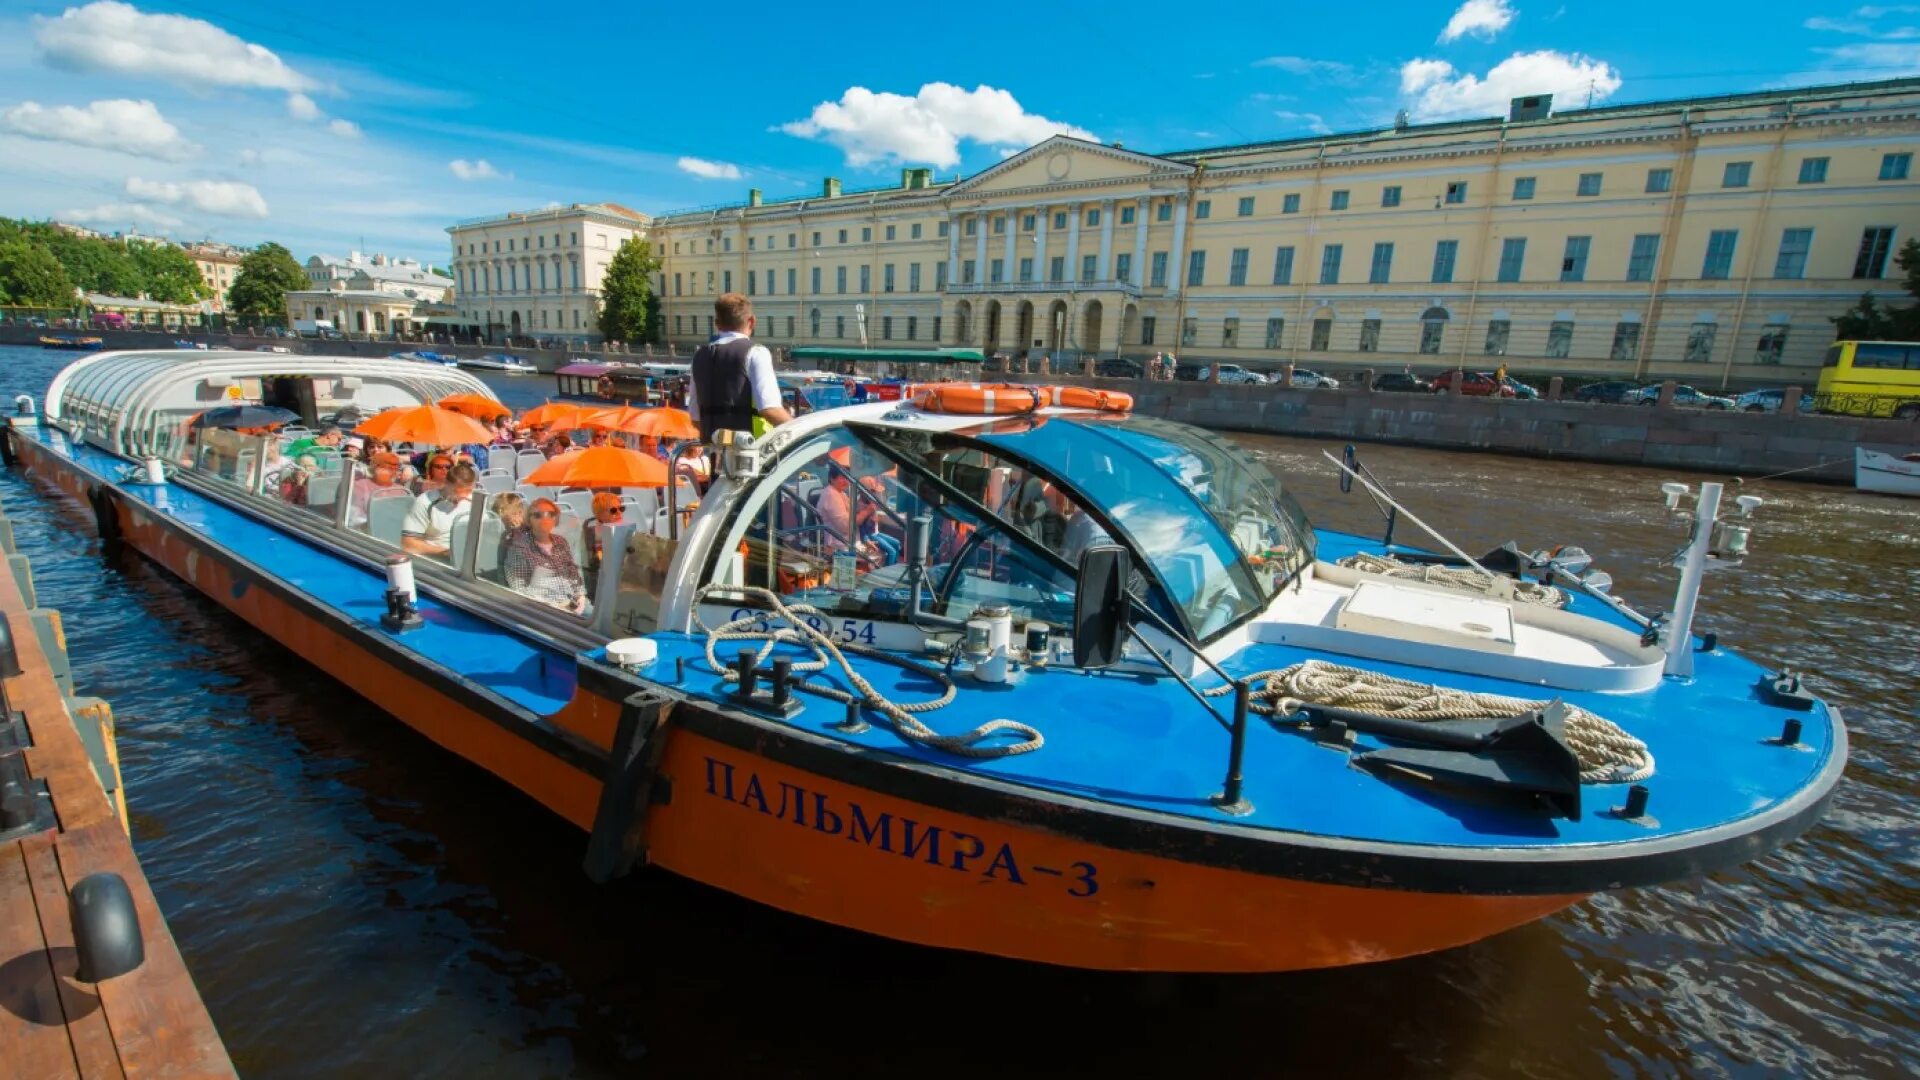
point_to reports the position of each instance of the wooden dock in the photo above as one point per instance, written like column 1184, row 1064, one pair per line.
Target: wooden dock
column 149, row 1021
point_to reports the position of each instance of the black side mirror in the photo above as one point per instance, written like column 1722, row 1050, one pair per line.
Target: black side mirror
column 1102, row 610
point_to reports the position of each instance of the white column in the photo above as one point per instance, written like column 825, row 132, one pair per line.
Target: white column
column 1040, row 244
column 1140, row 241
column 1106, row 239
column 953, row 250
column 982, row 221
column 1176, row 274
column 1073, row 242
column 1013, row 236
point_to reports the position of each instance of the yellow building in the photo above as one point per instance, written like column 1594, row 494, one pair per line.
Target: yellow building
column 1709, row 239
column 537, row 273
column 374, row 312
column 218, row 264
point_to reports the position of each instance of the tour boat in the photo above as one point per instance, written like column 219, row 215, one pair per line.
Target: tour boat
column 638, row 384
column 68, row 341
column 1884, row 473
column 1010, row 670
column 503, row 362
column 425, row 356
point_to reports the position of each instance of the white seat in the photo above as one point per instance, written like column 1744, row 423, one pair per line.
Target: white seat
column 685, row 492
column 494, row 483
column 321, row 489
column 385, row 516
column 573, row 530
column 577, row 503
column 527, row 460
column 457, row 540
column 488, row 559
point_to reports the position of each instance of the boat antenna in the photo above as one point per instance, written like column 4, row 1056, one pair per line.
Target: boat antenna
column 1380, row 494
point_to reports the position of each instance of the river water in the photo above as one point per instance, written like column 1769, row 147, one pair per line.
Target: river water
column 353, row 900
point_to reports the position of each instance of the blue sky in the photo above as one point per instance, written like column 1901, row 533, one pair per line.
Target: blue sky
column 376, row 126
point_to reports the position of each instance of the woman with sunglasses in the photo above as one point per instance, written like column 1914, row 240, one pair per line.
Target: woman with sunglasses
column 434, row 477
column 539, row 564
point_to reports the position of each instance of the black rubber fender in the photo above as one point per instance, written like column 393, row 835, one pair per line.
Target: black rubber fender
column 6, row 448
column 106, row 518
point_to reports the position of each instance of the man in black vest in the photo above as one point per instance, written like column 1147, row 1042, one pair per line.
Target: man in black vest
column 732, row 378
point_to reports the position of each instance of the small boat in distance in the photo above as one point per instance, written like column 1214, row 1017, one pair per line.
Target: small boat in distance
column 1886, row 474
column 506, row 362
column 68, row 341
column 422, row 356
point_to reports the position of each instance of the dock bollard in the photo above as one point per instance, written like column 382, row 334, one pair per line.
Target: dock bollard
column 106, row 928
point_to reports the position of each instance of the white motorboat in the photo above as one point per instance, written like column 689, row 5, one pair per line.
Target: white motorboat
column 503, row 362
column 423, row 356
column 1884, row 473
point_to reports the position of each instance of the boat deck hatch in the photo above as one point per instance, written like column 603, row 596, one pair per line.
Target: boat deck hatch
column 1427, row 615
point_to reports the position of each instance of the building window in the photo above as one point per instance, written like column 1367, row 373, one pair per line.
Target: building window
column 1444, row 254
column 840, row 279
column 751, row 243
column 1646, row 251
column 816, row 238
column 1157, row 270
column 1237, row 267
column 1513, row 255
column 726, row 281
column 1792, row 260
column 939, row 276
column 1382, row 267
column 843, row 236
column 1028, row 221
column 973, row 228
column 676, row 325
column 1497, row 333
column 1433, row 327
column 1895, row 166
column 816, row 280
column 1737, row 174
column 1123, row 267
column 1813, row 170
column 890, row 232
column 813, row 319
column 1390, row 196
column 793, row 240
column 913, row 233
column 1589, row 184
column 840, row 326
column 1875, row 243
column 1276, row 330
column 1060, row 220
column 1196, row 268
column 1164, row 212
column 1700, row 342
column 1057, row 268
column 1283, row 265
column 1457, row 191
column 770, row 288
column 1189, row 331
column 1146, row 329
column 1559, row 340
column 1573, row 262
column 1203, row 209
column 1339, row 200
column 886, row 277
column 1290, row 204
column 1230, row 333
column 1126, row 215
column 1330, row 265
column 1719, row 260
column 1026, row 268
column 752, row 284
column 1659, row 180
column 1522, row 188
column 996, row 271
column 1773, row 343
column 866, row 234
column 913, row 328
column 967, row 272
column 789, row 326
column 676, row 284
column 1369, row 335
column 1626, row 341
column 1322, row 334
column 886, row 327
column 939, row 230
column 792, row 280
column 1093, row 218
column 913, row 277
column 1089, row 266
column 936, row 328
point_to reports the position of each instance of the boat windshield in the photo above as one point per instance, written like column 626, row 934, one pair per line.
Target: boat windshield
column 1216, row 525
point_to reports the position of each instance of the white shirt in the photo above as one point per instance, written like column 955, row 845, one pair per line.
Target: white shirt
column 766, row 389
column 431, row 517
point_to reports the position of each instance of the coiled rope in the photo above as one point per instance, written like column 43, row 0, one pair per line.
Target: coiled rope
column 827, row 652
column 1607, row 754
column 1452, row 577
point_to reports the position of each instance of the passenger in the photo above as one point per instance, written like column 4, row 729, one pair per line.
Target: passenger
column 434, row 477
column 537, row 562
column 333, row 436
column 556, row 445
column 599, row 437
column 732, row 383
column 383, row 481
column 511, row 508
column 428, row 529
column 607, row 511
column 292, row 481
column 1081, row 532
column 354, row 448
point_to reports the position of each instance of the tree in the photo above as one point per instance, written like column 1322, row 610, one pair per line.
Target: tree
column 31, row 277
column 267, row 274
column 169, row 275
column 628, row 309
column 1868, row 321
column 1864, row 321
column 1906, row 321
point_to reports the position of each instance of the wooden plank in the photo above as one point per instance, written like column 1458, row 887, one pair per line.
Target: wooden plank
column 57, row 755
column 33, row 1030
column 86, row 1024
column 159, row 1023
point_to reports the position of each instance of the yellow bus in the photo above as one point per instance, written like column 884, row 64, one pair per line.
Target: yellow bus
column 1871, row 378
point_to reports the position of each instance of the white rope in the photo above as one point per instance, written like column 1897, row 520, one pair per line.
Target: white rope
column 1607, row 754
column 826, row 651
column 1452, row 577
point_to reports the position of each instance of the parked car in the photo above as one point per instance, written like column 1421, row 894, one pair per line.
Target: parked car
column 1685, row 396
column 1234, row 373
column 1611, row 392
column 1470, row 384
column 1308, row 378
column 1119, row 367
column 1400, row 382
column 1185, row 372
column 1764, row 401
column 1520, row 390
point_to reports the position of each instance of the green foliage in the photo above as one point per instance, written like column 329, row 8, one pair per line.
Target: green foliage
column 1864, row 321
column 170, row 274
column 1868, row 321
column 629, row 311
column 265, row 277
column 31, row 277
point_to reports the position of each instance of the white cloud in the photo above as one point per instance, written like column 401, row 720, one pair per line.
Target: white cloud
column 1311, row 121
column 709, row 170
column 1322, row 70
column 1435, row 91
column 1481, row 18
column 120, row 38
column 873, row 128
column 227, row 198
column 1893, row 9
column 346, row 129
column 131, row 127
column 477, row 169
column 120, row 214
column 301, row 107
column 1874, row 59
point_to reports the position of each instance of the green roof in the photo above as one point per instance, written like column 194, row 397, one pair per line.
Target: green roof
column 897, row 356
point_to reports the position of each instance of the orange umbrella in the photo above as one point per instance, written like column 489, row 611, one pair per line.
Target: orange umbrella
column 428, row 424
column 557, row 415
column 479, row 406
column 661, row 422
column 600, row 467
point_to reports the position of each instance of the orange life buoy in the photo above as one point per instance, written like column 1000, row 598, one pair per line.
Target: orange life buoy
column 1011, row 399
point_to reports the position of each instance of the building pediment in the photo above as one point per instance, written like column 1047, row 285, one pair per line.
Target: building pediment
column 1063, row 162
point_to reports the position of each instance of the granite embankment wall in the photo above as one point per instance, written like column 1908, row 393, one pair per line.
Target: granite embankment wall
column 547, row 359
column 1750, row 444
